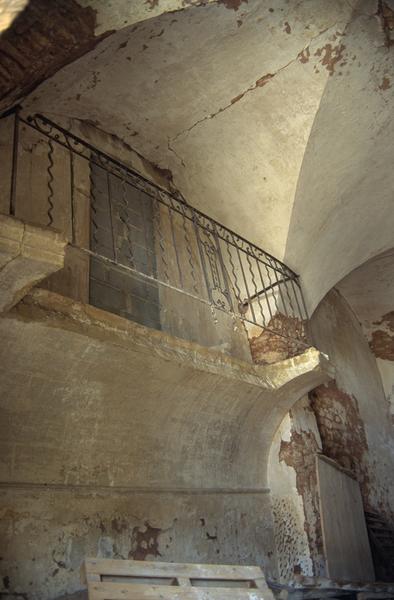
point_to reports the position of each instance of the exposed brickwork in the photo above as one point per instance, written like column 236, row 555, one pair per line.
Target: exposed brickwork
column 292, row 548
column 145, row 542
column 269, row 347
column 43, row 38
column 300, row 453
column 342, row 431
column 382, row 340
column 386, row 15
column 382, row 345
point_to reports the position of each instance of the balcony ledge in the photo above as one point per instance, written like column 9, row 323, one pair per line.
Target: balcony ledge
column 28, row 254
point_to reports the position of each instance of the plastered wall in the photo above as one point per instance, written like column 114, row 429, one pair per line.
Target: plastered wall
column 47, row 532
column 361, row 408
column 349, row 420
column 110, row 430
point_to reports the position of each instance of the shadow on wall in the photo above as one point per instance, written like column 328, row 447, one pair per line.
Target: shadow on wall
column 343, row 208
column 348, row 420
column 370, row 292
column 353, row 415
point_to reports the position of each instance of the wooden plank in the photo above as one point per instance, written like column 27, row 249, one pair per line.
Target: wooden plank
column 183, row 581
column 159, row 569
column 119, row 591
column 345, row 536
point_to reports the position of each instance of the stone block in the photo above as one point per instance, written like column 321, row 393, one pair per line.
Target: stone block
column 28, row 254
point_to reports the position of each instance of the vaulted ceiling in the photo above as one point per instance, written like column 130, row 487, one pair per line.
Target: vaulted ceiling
column 272, row 116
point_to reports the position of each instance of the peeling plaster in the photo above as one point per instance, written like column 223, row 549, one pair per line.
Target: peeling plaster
column 211, row 105
column 232, row 4
column 342, row 431
column 28, row 57
column 293, row 483
column 386, row 15
column 330, row 57
column 354, row 415
column 370, row 292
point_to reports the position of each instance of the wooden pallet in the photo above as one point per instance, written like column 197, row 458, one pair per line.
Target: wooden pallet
column 141, row 580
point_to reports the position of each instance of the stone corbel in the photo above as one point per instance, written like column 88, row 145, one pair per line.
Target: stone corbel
column 28, row 254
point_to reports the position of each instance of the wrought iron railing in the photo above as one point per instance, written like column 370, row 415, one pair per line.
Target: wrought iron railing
column 182, row 249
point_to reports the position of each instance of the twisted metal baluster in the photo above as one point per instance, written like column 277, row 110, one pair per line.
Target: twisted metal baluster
column 111, row 217
column 50, row 182
column 302, row 331
column 282, row 324
column 226, row 292
column 298, row 287
column 170, row 212
column 250, row 305
column 265, row 292
column 213, row 312
column 161, row 241
column 14, row 170
column 289, row 297
column 189, row 251
column 202, row 258
column 273, row 293
column 71, row 157
column 256, row 291
column 145, row 219
column 237, row 289
column 296, row 298
column 289, row 344
column 125, row 221
column 93, row 207
column 279, row 282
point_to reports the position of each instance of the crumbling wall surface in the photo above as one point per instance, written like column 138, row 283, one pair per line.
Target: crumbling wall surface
column 348, row 420
column 369, row 290
column 115, row 438
column 380, row 335
column 353, row 413
column 342, row 430
column 94, row 220
column 268, row 347
column 47, row 532
column 43, row 38
column 293, row 483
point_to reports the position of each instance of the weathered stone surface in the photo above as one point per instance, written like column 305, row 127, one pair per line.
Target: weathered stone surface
column 169, row 61
column 278, row 96
column 335, row 227
column 53, row 530
column 28, row 254
column 370, row 292
column 270, row 347
column 277, row 120
column 293, row 483
column 353, row 416
column 281, row 89
column 43, row 38
column 157, row 447
column 48, row 35
column 347, row 420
